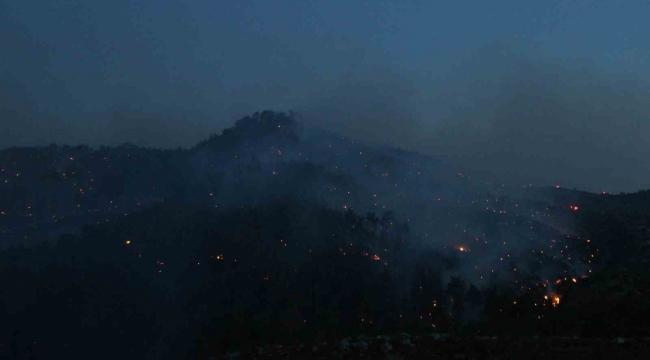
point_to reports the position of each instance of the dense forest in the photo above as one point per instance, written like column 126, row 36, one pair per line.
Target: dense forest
column 277, row 232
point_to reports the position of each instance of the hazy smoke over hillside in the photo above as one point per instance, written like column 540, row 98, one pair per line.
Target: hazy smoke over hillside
column 510, row 117
column 503, row 110
column 274, row 171
column 531, row 120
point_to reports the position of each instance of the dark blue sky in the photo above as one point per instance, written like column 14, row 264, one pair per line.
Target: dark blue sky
column 537, row 91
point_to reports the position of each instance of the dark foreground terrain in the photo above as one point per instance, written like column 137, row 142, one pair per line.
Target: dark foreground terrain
column 441, row 346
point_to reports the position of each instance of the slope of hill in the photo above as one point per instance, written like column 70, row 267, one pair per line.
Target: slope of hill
column 275, row 224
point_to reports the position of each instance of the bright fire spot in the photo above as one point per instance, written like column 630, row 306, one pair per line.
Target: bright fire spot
column 574, row 280
column 574, row 208
column 559, row 281
column 375, row 257
column 219, row 257
column 461, row 248
column 556, row 300
column 128, row 242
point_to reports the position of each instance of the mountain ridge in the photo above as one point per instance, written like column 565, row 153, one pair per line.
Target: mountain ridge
column 275, row 223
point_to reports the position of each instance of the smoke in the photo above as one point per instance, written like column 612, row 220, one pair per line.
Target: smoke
column 527, row 119
column 505, row 112
column 375, row 105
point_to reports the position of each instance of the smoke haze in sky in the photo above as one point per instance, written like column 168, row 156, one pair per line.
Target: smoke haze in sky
column 523, row 91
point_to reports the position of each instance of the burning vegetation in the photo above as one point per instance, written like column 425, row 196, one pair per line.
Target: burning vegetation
column 313, row 237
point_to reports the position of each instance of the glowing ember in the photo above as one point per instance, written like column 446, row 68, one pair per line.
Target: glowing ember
column 375, row 257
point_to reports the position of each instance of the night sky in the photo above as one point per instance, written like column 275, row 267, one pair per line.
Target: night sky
column 544, row 92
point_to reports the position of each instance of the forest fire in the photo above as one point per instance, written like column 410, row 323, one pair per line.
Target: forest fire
column 549, row 246
column 149, row 131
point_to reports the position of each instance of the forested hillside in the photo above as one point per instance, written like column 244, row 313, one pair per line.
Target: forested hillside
column 278, row 232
